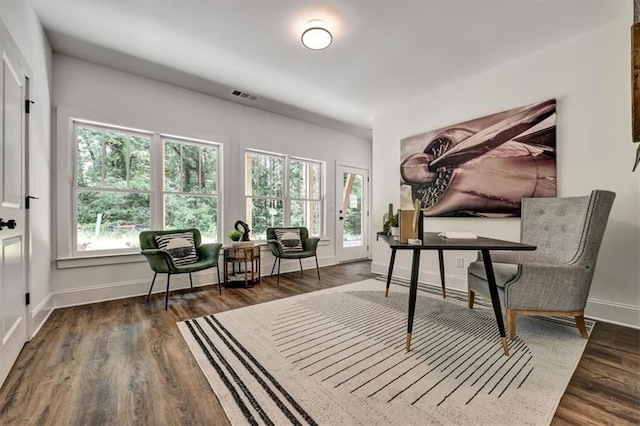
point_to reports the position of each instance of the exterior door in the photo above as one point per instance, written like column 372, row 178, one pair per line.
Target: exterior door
column 13, row 284
column 352, row 207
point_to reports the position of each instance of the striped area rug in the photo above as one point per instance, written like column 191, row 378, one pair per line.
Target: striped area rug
column 337, row 357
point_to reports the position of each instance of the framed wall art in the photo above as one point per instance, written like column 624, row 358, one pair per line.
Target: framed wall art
column 482, row 167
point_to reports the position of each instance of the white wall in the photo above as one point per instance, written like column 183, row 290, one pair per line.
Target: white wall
column 589, row 76
column 25, row 29
column 99, row 93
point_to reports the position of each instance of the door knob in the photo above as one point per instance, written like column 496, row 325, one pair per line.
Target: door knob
column 341, row 218
column 11, row 224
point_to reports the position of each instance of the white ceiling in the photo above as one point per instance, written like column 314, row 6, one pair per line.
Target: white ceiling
column 383, row 52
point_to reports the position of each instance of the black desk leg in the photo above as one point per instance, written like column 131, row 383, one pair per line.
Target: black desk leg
column 495, row 299
column 413, row 294
column 441, row 259
column 391, row 262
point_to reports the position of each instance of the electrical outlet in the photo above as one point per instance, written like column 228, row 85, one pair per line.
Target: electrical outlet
column 459, row 262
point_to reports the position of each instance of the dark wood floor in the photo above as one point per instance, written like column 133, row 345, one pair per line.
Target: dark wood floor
column 124, row 362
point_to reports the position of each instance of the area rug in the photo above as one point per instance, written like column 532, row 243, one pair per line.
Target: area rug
column 337, row 357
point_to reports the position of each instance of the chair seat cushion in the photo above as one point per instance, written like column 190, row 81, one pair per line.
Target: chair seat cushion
column 298, row 254
column 196, row 266
column 289, row 240
column 504, row 272
column 181, row 247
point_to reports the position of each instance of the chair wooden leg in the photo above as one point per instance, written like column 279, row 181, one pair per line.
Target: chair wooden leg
column 219, row 282
column 317, row 267
column 166, row 297
column 190, row 281
column 511, row 324
column 300, row 261
column 471, row 298
column 582, row 326
column 155, row 274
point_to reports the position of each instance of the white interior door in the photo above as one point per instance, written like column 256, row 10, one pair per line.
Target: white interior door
column 13, row 324
column 352, row 221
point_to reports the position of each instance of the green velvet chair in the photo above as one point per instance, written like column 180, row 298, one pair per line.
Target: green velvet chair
column 309, row 247
column 161, row 261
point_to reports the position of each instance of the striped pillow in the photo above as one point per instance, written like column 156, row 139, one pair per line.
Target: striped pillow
column 289, row 239
column 180, row 246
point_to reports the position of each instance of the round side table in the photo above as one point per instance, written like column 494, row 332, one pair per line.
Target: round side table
column 247, row 261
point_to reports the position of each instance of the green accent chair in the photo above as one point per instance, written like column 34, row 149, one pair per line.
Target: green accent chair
column 161, row 261
column 309, row 247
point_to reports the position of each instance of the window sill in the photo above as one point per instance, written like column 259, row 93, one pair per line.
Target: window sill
column 99, row 260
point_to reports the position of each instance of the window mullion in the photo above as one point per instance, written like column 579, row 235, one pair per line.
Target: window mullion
column 157, row 182
column 285, row 193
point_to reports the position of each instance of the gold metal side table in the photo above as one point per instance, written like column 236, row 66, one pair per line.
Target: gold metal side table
column 249, row 257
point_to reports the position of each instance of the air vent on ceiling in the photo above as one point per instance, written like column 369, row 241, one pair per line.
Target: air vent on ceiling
column 244, row 95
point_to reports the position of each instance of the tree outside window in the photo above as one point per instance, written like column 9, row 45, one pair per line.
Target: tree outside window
column 114, row 192
column 282, row 191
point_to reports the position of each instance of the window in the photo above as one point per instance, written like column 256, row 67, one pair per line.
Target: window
column 127, row 181
column 282, row 191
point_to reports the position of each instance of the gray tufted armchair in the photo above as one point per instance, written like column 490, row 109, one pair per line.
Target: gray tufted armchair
column 554, row 279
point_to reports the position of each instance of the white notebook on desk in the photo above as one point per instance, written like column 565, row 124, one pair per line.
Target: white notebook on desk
column 458, row 235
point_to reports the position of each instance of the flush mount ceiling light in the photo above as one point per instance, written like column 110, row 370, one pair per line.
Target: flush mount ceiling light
column 316, row 36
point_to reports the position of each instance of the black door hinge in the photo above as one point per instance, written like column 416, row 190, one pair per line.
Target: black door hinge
column 27, row 201
column 27, row 105
column 27, row 298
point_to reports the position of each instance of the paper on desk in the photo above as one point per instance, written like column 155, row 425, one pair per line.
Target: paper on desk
column 460, row 235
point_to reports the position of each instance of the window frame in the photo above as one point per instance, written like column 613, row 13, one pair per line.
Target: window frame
column 156, row 189
column 286, row 197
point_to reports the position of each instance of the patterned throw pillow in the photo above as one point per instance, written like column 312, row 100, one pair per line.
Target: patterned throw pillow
column 289, row 239
column 180, row 246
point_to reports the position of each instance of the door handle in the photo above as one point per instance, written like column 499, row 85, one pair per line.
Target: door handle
column 340, row 217
column 11, row 224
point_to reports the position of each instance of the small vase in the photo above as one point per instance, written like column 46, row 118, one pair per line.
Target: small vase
column 395, row 232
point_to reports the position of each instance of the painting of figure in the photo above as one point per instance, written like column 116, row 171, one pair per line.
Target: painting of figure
column 482, row 167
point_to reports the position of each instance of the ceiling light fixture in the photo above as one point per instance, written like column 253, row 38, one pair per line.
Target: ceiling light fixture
column 316, row 36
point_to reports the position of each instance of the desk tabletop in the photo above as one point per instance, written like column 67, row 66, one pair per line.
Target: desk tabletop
column 432, row 241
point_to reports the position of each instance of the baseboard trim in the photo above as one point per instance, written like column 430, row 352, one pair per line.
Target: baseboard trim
column 40, row 314
column 426, row 277
column 113, row 291
column 600, row 310
column 612, row 312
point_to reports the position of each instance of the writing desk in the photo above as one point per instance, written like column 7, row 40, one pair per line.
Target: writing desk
column 432, row 241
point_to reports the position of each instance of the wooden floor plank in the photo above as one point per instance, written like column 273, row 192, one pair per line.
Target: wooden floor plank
column 125, row 362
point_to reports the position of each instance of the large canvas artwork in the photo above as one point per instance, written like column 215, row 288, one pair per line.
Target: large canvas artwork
column 482, row 167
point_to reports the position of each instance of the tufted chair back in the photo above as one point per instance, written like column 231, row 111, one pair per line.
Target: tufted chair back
column 566, row 230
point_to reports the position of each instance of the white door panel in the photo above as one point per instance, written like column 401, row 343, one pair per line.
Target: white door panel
column 13, row 286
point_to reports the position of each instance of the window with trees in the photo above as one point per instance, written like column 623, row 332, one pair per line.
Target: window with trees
column 283, row 191
column 127, row 181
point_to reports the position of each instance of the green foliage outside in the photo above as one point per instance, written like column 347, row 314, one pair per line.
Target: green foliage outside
column 352, row 226
column 109, row 162
column 265, row 192
column 114, row 190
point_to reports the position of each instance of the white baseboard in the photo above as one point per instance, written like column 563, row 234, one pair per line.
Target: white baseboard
column 113, row 291
column 40, row 314
column 601, row 310
column 427, row 277
column 615, row 313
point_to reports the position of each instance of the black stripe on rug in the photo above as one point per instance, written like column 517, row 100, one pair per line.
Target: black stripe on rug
column 255, row 375
column 223, row 377
column 266, row 373
column 254, row 403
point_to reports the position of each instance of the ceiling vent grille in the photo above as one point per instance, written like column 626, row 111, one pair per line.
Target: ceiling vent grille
column 244, row 95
